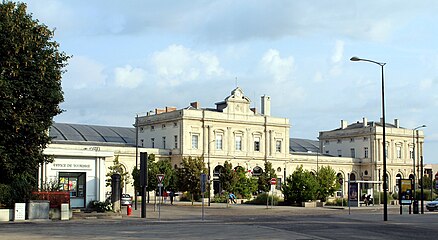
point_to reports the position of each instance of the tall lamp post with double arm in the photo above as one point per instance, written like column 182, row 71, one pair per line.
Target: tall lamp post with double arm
column 385, row 187
column 413, row 160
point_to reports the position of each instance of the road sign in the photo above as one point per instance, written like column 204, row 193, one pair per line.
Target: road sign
column 203, row 181
column 160, row 178
column 273, row 181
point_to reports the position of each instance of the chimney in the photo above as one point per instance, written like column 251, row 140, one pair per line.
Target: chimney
column 266, row 105
column 158, row 110
column 365, row 121
column 254, row 110
column 344, row 124
column 170, row 109
column 381, row 121
column 397, row 123
column 195, row 105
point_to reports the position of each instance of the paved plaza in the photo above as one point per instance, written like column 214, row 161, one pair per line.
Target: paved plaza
column 184, row 221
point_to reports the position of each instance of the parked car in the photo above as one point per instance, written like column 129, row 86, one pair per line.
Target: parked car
column 431, row 206
column 126, row 199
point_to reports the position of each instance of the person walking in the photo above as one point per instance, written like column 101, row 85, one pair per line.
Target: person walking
column 232, row 198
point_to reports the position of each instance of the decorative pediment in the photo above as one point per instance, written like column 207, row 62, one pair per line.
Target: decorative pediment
column 236, row 103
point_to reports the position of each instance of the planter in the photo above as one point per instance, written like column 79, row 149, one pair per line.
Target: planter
column 38, row 209
column 308, row 204
column 6, row 215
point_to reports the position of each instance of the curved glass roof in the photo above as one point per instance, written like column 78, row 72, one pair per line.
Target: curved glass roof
column 92, row 133
column 126, row 135
column 303, row 145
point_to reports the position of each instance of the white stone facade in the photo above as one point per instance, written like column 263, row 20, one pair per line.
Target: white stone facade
column 364, row 141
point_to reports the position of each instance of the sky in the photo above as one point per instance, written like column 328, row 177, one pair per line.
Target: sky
column 130, row 57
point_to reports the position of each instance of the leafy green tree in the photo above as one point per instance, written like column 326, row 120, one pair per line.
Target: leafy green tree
column 427, row 182
column 301, row 186
column 264, row 178
column 117, row 168
column 165, row 167
column 136, row 179
column 228, row 177
column 30, row 93
column 245, row 185
column 189, row 175
column 327, row 183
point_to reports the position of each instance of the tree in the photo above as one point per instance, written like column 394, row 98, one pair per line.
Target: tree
column 299, row 187
column 265, row 178
column 117, row 168
column 165, row 167
column 245, row 186
column 152, row 179
column 228, row 177
column 189, row 175
column 327, row 181
column 30, row 93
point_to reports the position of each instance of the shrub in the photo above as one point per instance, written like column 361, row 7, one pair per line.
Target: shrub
column 101, row 206
column 5, row 195
column 219, row 199
column 261, row 200
column 337, row 202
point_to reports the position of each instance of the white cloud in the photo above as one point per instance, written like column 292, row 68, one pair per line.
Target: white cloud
column 426, row 84
column 318, row 77
column 338, row 54
column 83, row 72
column 281, row 69
column 177, row 64
column 128, row 76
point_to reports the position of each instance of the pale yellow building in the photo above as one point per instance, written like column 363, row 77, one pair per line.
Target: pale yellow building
column 231, row 131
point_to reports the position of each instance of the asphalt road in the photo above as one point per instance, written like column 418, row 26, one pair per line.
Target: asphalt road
column 183, row 221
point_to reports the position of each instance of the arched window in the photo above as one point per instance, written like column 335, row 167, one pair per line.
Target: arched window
column 257, row 171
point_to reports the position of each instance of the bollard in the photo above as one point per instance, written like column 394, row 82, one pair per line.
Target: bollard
column 129, row 210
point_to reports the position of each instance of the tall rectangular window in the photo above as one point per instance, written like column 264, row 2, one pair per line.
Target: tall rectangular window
column 365, row 152
column 411, row 153
column 238, row 143
column 195, row 141
column 257, row 144
column 153, row 142
column 176, row 140
column 278, row 146
column 219, row 141
column 352, row 152
column 164, row 142
column 399, row 151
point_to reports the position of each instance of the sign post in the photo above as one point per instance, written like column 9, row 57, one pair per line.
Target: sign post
column 273, row 182
column 160, row 178
column 143, row 181
column 436, row 181
column 405, row 193
column 203, row 181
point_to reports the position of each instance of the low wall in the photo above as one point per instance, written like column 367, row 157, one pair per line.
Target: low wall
column 6, row 215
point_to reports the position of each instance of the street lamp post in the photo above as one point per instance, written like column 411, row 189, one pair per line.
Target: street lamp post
column 385, row 187
column 413, row 160
column 413, row 154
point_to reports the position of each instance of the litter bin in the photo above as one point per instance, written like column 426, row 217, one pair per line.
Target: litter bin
column 415, row 206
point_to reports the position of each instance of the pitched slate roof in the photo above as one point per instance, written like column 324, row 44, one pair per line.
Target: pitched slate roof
column 80, row 133
column 91, row 133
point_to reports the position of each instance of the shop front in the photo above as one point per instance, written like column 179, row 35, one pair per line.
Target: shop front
column 80, row 172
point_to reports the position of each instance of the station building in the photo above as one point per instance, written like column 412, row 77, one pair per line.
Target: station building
column 231, row 131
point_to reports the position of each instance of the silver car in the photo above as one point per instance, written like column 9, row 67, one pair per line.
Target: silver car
column 431, row 206
column 126, row 199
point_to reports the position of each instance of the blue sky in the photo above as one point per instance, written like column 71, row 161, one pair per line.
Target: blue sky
column 130, row 57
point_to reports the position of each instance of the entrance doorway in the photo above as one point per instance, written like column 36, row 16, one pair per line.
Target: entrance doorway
column 74, row 182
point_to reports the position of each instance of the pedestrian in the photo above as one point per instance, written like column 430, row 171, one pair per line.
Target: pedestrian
column 171, row 194
column 232, row 198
